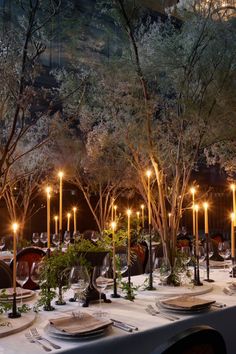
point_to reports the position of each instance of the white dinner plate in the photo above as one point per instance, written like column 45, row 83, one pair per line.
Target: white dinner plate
column 54, row 332
column 18, row 297
column 180, row 310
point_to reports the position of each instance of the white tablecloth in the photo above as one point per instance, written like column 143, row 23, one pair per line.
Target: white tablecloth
column 152, row 331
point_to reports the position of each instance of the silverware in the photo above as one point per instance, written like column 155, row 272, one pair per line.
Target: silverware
column 122, row 326
column 35, row 341
column 34, row 332
column 228, row 291
column 125, row 324
column 154, row 312
column 160, row 310
column 219, row 305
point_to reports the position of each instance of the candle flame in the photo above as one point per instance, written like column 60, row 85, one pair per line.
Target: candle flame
column 196, row 207
column 48, row 190
column 205, row 205
column 56, row 217
column 138, row 213
column 193, row 190
column 232, row 216
column 142, row 206
column 74, row 209
column 60, row 174
column 15, row 227
column 68, row 215
column 113, row 225
column 148, row 173
column 169, row 214
column 232, row 187
column 129, row 212
column 115, row 207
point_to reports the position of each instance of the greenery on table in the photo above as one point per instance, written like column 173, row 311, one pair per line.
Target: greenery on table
column 6, row 306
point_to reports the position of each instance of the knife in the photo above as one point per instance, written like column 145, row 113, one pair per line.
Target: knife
column 122, row 326
column 125, row 324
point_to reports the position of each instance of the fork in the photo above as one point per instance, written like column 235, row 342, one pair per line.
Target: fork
column 155, row 312
column 32, row 340
column 34, row 332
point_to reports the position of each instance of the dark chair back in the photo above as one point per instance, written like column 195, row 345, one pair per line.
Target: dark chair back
column 196, row 340
column 5, row 276
column 30, row 254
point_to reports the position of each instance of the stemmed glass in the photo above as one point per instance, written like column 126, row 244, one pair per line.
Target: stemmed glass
column 100, row 282
column 56, row 239
column 163, row 269
column 79, row 280
column 186, row 252
column 67, row 238
column 22, row 274
column 35, row 238
column 224, row 251
column 35, row 271
column 43, row 238
column 2, row 243
column 122, row 261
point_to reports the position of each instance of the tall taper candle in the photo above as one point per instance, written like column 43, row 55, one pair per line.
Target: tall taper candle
column 60, row 174
column 196, row 229
column 113, row 226
column 142, row 208
column 234, row 201
column 15, row 227
column 74, row 211
column 68, row 221
column 48, row 190
column 192, row 190
column 115, row 211
column 149, row 198
column 128, row 233
column 232, row 236
column 56, row 224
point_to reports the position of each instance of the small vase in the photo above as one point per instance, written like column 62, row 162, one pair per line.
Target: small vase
column 60, row 301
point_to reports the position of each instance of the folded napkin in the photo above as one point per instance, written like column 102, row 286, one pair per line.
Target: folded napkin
column 187, row 302
column 19, row 291
column 78, row 325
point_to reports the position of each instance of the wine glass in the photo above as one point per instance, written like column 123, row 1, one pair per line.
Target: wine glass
column 67, row 238
column 186, row 252
column 56, row 239
column 79, row 280
column 35, row 271
column 122, row 262
column 163, row 269
column 224, row 251
column 76, row 236
column 2, row 243
column 43, row 238
column 94, row 236
column 100, row 282
column 35, row 238
column 22, row 274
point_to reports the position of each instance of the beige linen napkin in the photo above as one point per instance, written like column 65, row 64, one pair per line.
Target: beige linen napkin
column 78, row 325
column 187, row 302
column 9, row 292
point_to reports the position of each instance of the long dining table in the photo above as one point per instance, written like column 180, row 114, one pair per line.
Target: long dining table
column 152, row 330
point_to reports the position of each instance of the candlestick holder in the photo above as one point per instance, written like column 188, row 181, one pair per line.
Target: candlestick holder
column 207, row 261
column 150, row 285
column 14, row 313
column 115, row 295
column 196, row 280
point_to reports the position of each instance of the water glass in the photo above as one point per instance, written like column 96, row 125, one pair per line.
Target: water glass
column 22, row 274
column 79, row 280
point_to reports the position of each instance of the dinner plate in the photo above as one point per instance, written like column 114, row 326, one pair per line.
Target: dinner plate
column 182, row 310
column 18, row 297
column 54, row 332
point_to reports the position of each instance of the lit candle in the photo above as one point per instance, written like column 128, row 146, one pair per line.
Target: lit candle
column 138, row 217
column 142, row 208
column 148, row 173
column 68, row 221
column 60, row 175
column 232, row 235
column 48, row 190
column 169, row 217
column 14, row 228
column 234, row 201
column 74, row 211
column 128, row 232
column 112, row 209
column 192, row 190
column 56, row 224
column 205, row 205
column 113, row 226
column 196, row 227
column 115, row 211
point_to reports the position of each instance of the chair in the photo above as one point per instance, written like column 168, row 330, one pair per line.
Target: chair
column 195, row 340
column 30, row 254
column 5, row 275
